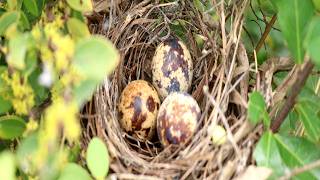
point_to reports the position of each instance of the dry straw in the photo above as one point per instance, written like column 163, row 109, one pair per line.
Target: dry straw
column 220, row 85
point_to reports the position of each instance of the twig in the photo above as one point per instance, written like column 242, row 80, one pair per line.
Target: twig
column 290, row 102
column 302, row 169
column 36, row 112
column 266, row 32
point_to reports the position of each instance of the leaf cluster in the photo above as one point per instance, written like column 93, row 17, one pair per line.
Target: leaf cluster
column 50, row 65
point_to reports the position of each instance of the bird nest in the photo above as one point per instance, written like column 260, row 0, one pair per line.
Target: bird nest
column 220, row 85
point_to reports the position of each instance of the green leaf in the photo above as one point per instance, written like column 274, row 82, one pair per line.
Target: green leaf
column 84, row 90
column 267, row 154
column 40, row 91
column 290, row 124
column 5, row 105
column 257, row 109
column 74, row 152
column 74, row 171
column 297, row 152
column 24, row 21
column 98, row 158
column 95, row 58
column 313, row 50
column 17, row 51
column 309, row 119
column 198, row 4
column 312, row 41
column 7, row 19
column 12, row 4
column 31, row 63
column 294, row 16
column 77, row 28
column 267, row 7
column 11, row 127
column 81, row 5
column 7, row 165
column 308, row 94
column 26, row 152
column 2, row 11
column 313, row 31
column 316, row 4
column 31, row 6
column 2, row 84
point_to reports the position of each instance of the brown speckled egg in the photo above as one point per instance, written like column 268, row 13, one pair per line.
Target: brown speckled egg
column 172, row 68
column 139, row 105
column 177, row 118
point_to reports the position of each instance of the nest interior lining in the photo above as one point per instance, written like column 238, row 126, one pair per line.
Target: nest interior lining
column 220, row 86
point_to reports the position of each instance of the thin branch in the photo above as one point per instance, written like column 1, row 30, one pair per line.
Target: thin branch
column 36, row 112
column 266, row 32
column 302, row 169
column 295, row 90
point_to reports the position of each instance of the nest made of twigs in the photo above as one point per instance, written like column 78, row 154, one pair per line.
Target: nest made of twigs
column 220, row 85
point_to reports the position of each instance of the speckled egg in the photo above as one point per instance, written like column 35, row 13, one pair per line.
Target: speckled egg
column 138, row 107
column 177, row 119
column 172, row 68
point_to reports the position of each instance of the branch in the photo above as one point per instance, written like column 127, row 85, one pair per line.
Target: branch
column 302, row 169
column 266, row 33
column 290, row 102
column 36, row 112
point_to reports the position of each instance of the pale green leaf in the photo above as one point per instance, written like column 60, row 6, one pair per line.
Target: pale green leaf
column 309, row 119
column 257, row 109
column 317, row 4
column 97, row 158
column 5, row 105
column 94, row 59
column 297, row 152
column 17, row 51
column 84, row 90
column 312, row 41
column 12, row 4
column 8, row 19
column 313, row 31
column 267, row 154
column 26, row 151
column 294, row 16
column 7, row 166
column 198, row 4
column 77, row 28
column 313, row 50
column 74, row 171
column 11, row 127
column 81, row 5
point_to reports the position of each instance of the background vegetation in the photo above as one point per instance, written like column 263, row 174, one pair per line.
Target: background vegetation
column 50, row 65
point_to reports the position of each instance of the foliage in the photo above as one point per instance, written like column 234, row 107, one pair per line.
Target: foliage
column 48, row 58
column 50, row 65
column 297, row 142
column 257, row 109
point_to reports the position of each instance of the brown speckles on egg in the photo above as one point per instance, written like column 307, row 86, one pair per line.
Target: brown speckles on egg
column 172, row 68
column 177, row 119
column 138, row 109
column 151, row 104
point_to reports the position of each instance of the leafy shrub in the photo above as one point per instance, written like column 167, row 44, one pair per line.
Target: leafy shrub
column 50, row 65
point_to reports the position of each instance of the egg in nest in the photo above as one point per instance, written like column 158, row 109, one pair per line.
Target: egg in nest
column 172, row 68
column 177, row 119
column 138, row 107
